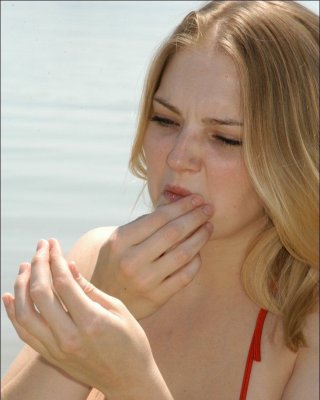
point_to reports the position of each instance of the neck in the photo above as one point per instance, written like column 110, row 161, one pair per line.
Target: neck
column 222, row 260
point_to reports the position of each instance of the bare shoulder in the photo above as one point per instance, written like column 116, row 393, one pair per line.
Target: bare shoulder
column 86, row 250
column 304, row 381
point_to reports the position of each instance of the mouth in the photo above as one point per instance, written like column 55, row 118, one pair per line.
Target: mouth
column 174, row 193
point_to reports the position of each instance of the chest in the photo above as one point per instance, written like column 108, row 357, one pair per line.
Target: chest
column 205, row 358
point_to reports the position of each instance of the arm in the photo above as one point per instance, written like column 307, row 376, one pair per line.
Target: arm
column 304, row 382
column 144, row 263
column 30, row 376
column 97, row 342
column 39, row 380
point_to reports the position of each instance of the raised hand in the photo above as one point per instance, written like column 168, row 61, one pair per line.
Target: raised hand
column 147, row 261
column 97, row 342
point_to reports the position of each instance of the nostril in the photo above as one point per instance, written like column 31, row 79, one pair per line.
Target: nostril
column 183, row 161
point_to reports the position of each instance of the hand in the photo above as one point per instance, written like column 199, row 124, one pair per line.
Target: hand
column 97, row 342
column 147, row 261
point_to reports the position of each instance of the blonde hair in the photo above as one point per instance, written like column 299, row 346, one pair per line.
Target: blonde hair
column 275, row 47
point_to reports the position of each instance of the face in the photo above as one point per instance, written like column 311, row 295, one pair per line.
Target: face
column 193, row 140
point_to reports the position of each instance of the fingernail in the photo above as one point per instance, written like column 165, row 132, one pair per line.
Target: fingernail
column 195, row 268
column 6, row 301
column 209, row 227
column 74, row 270
column 53, row 243
column 41, row 243
column 196, row 200
column 22, row 268
column 207, row 209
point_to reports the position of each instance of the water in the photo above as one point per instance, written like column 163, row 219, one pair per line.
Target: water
column 72, row 73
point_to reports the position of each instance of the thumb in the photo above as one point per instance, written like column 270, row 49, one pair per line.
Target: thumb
column 90, row 290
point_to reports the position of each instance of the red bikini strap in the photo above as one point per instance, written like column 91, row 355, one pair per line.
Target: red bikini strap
column 254, row 352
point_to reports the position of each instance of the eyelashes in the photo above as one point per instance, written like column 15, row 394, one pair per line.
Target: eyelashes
column 163, row 121
column 230, row 142
column 167, row 123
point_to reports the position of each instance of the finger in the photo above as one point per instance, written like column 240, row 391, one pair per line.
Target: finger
column 42, row 294
column 106, row 301
column 182, row 254
column 36, row 344
column 79, row 306
column 146, row 225
column 178, row 280
column 25, row 312
column 171, row 234
column 38, row 325
column 29, row 324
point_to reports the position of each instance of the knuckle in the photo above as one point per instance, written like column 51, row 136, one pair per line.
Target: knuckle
column 200, row 215
column 58, row 355
column 174, row 231
column 70, row 344
column 36, row 259
column 60, row 282
column 127, row 266
column 161, row 215
column 38, row 290
column 93, row 327
column 86, row 286
column 142, row 285
column 21, row 317
column 118, row 303
column 23, row 336
column 19, row 283
column 182, row 255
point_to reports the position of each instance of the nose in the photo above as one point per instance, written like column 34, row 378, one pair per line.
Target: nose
column 185, row 153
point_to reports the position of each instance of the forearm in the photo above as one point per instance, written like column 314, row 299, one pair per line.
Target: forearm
column 37, row 379
column 151, row 386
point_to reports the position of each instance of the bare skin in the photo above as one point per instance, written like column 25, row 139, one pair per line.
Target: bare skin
column 199, row 329
column 172, row 327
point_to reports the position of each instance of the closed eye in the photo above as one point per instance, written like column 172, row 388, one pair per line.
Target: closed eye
column 227, row 141
column 163, row 121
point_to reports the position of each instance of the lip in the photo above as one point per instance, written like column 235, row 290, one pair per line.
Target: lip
column 174, row 193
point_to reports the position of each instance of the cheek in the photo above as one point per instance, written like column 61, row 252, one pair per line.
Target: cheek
column 231, row 189
column 156, row 155
column 156, row 143
column 149, row 146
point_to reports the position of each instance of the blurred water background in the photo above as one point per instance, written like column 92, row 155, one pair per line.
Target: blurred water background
column 72, row 74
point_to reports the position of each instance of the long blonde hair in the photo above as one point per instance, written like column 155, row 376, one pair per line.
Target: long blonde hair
column 275, row 47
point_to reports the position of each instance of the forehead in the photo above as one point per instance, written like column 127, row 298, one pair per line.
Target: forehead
column 204, row 78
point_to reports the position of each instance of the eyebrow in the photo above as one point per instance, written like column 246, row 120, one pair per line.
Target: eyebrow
column 207, row 120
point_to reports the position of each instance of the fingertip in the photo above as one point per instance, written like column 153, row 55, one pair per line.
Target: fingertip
column 55, row 248
column 7, row 299
column 53, row 242
column 23, row 267
column 41, row 243
column 74, row 269
column 209, row 227
column 196, row 200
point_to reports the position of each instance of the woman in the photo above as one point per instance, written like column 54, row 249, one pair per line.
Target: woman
column 222, row 275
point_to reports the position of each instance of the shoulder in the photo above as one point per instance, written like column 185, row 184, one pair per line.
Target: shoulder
column 304, row 381
column 86, row 249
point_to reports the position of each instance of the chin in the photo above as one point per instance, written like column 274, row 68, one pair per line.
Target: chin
column 158, row 201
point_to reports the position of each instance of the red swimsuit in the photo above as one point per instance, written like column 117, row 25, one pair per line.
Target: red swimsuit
column 254, row 352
